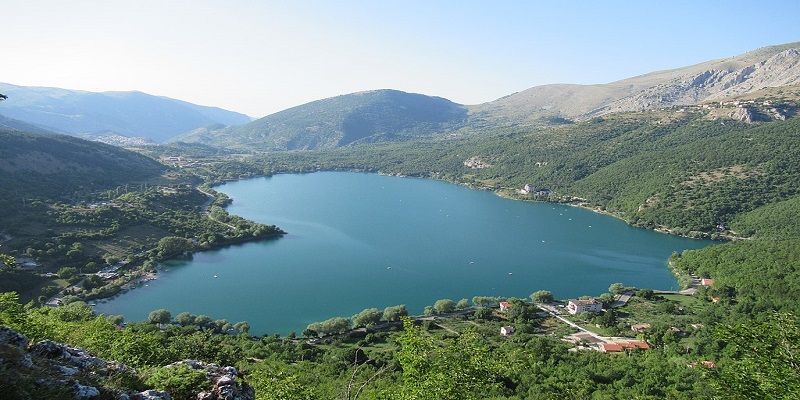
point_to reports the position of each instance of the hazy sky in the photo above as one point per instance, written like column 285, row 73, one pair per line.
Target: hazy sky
column 259, row 57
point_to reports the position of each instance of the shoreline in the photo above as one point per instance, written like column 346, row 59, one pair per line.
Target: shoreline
column 575, row 202
column 584, row 204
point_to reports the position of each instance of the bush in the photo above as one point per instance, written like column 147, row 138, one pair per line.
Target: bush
column 180, row 381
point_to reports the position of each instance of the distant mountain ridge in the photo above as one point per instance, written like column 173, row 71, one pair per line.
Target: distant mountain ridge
column 773, row 66
column 11, row 124
column 130, row 114
column 372, row 116
column 390, row 115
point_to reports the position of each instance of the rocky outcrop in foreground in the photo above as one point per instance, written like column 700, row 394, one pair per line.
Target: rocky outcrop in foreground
column 224, row 383
column 55, row 371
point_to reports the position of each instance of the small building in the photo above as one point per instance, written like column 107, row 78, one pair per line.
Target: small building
column 609, row 347
column 621, row 345
column 506, row 330
column 528, row 188
column 575, row 306
column 640, row 327
column 634, row 344
column 677, row 331
column 504, row 306
column 707, row 282
column 107, row 275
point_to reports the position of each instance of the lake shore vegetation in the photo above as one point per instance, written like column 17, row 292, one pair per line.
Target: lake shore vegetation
column 674, row 170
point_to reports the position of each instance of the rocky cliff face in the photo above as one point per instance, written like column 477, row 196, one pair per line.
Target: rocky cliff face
column 769, row 67
column 723, row 79
column 55, row 371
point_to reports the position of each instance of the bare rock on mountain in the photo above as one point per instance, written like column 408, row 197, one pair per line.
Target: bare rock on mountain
column 782, row 69
column 725, row 79
column 72, row 357
column 769, row 67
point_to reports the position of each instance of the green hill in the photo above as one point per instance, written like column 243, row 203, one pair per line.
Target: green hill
column 374, row 116
column 394, row 116
column 682, row 169
column 59, row 167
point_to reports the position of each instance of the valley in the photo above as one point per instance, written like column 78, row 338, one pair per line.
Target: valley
column 707, row 151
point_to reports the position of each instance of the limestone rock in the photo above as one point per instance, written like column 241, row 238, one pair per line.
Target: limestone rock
column 152, row 395
column 12, row 338
column 476, row 163
column 14, row 345
column 224, row 384
column 85, row 392
column 48, row 366
column 74, row 357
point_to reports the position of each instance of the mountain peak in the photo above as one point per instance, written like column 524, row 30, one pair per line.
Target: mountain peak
column 367, row 116
column 771, row 66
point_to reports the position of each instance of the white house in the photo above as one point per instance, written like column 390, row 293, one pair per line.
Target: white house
column 506, row 330
column 575, row 306
column 528, row 188
column 504, row 306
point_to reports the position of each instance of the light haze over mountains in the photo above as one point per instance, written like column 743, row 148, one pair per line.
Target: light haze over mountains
column 390, row 115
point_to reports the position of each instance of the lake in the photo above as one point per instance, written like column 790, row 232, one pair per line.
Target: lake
column 359, row 240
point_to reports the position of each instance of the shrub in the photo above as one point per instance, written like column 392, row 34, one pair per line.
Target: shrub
column 180, row 381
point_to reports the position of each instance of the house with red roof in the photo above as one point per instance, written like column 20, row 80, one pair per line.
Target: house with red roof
column 609, row 347
column 621, row 345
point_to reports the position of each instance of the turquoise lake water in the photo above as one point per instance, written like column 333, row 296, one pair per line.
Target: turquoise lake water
column 358, row 240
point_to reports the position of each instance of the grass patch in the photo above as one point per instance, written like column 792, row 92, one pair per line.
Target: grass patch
column 684, row 301
column 132, row 237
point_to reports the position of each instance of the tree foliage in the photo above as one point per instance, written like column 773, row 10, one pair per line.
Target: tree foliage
column 444, row 306
column 461, row 369
column 330, row 326
column 277, row 384
column 180, row 381
column 161, row 317
column 542, row 296
column 172, row 245
column 368, row 317
column 762, row 275
column 765, row 362
column 394, row 313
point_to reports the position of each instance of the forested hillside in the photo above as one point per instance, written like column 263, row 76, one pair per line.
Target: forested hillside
column 73, row 208
column 677, row 169
column 34, row 167
column 373, row 116
column 394, row 116
column 725, row 170
column 699, row 346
